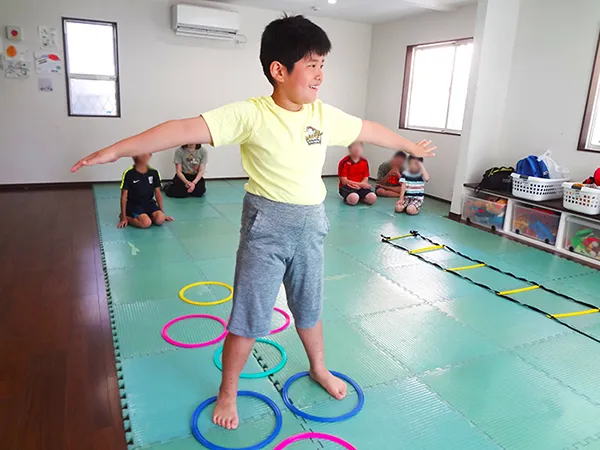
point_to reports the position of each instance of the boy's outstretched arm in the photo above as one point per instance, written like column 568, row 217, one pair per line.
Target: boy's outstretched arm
column 377, row 134
column 162, row 137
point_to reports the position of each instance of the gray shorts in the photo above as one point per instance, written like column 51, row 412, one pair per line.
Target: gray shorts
column 279, row 242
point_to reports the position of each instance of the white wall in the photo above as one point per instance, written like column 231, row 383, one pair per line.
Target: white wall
column 388, row 52
column 163, row 76
column 551, row 71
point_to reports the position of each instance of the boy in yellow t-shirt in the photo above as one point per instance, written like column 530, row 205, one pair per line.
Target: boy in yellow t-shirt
column 283, row 140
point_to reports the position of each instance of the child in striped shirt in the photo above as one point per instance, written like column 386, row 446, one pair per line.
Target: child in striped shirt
column 413, row 187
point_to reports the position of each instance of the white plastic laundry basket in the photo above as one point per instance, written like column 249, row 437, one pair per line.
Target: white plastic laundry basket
column 537, row 189
column 583, row 199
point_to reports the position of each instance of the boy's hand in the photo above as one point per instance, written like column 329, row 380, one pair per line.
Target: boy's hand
column 365, row 185
column 353, row 185
column 169, row 219
column 191, row 186
column 122, row 223
column 423, row 149
column 104, row 156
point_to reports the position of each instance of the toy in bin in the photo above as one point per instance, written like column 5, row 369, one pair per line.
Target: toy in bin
column 488, row 212
column 586, row 242
column 543, row 227
column 595, row 180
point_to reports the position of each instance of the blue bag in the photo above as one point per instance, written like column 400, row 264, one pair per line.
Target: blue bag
column 532, row 167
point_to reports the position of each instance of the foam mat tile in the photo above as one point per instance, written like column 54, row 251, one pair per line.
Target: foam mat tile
column 207, row 247
column 582, row 373
column 423, row 338
column 343, row 342
column 139, row 325
column 379, row 255
column 163, row 390
column 338, row 263
column 501, row 321
column 403, row 415
column 132, row 284
column 110, row 232
column 106, row 190
column 218, row 269
column 147, row 252
column 529, row 410
column 216, row 227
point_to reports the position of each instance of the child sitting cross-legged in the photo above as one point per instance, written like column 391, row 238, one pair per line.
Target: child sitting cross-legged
column 413, row 187
column 389, row 175
column 353, row 171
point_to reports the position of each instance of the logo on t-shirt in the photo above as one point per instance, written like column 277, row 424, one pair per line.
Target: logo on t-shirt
column 151, row 179
column 312, row 136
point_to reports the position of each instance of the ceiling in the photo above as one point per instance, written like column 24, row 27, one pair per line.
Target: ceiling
column 369, row 11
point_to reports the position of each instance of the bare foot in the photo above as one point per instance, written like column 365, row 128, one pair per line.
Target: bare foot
column 225, row 413
column 332, row 384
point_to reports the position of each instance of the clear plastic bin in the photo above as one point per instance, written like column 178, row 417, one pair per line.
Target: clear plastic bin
column 583, row 237
column 483, row 212
column 535, row 223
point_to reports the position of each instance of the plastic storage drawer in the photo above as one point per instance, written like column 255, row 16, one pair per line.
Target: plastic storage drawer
column 583, row 237
column 483, row 212
column 535, row 223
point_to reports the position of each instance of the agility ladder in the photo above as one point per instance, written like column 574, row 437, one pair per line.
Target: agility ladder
column 458, row 271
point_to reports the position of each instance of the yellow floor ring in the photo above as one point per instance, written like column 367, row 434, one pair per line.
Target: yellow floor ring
column 202, row 283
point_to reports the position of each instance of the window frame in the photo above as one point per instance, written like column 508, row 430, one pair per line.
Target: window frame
column 68, row 77
column 406, row 85
column 588, row 117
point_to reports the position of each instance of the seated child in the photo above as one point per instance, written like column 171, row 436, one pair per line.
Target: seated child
column 389, row 175
column 139, row 185
column 353, row 171
column 190, row 161
column 413, row 187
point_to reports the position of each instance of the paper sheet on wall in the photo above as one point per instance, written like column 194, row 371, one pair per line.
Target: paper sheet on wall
column 45, row 85
column 17, row 69
column 15, row 52
column 47, row 37
column 48, row 63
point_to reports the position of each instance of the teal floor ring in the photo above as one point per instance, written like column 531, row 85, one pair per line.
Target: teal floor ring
column 281, row 365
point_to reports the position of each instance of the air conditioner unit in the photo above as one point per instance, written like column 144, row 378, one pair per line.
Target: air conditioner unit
column 204, row 22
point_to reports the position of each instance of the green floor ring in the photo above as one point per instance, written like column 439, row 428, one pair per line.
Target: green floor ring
column 253, row 376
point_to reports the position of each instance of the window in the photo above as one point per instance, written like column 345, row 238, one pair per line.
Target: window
column 436, row 78
column 589, row 139
column 92, row 68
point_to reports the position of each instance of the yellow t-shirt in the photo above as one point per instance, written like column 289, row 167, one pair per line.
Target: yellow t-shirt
column 283, row 152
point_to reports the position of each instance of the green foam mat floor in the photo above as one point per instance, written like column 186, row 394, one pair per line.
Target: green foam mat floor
column 444, row 363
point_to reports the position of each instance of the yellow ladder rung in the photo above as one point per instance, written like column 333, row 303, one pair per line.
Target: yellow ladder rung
column 516, row 291
column 458, row 269
column 426, row 249
column 576, row 313
column 400, row 237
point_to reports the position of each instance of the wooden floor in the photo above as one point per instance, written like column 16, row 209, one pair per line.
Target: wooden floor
column 58, row 387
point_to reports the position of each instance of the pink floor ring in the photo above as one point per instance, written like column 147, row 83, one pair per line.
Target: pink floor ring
column 194, row 316
column 285, row 325
column 304, row 436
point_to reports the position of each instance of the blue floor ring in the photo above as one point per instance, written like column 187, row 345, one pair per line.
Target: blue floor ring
column 260, row 445
column 284, row 357
column 348, row 415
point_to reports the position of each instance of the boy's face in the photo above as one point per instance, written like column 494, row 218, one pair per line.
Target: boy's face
column 143, row 159
column 356, row 150
column 397, row 162
column 414, row 165
column 302, row 85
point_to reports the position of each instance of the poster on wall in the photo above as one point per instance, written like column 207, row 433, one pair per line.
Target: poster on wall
column 17, row 69
column 14, row 33
column 45, row 85
column 14, row 52
column 48, row 63
column 47, row 37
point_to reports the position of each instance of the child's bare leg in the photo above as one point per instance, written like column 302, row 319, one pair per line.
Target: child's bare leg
column 235, row 354
column 382, row 192
column 158, row 217
column 370, row 198
column 312, row 339
column 352, row 199
column 412, row 210
column 141, row 221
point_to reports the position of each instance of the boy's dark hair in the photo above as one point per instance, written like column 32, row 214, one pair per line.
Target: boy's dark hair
column 400, row 154
column 412, row 158
column 198, row 146
column 290, row 39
